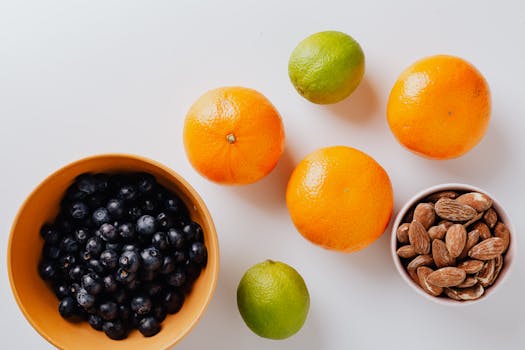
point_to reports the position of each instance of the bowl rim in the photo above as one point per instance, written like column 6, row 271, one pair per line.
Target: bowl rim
column 215, row 258
column 503, row 215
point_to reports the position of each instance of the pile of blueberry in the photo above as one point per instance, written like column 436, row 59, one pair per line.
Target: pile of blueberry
column 122, row 253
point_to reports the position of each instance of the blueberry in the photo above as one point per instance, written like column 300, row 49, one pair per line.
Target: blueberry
column 85, row 299
column 108, row 310
column 193, row 232
column 124, row 313
column 64, row 224
column 180, row 256
column 177, row 278
column 108, row 232
column 91, row 283
column 86, row 183
column 146, row 225
column 69, row 245
column 61, row 290
column 100, row 216
column 81, row 235
column 198, row 253
column 50, row 234
column 175, row 238
column 67, row 307
column 172, row 300
column 130, row 247
column 74, row 288
column 47, row 270
column 120, row 296
column 95, row 266
column 168, row 265
column 94, row 246
column 76, row 272
column 142, row 305
column 149, row 205
column 174, row 205
column 78, row 210
column 164, row 221
column 159, row 312
column 133, row 285
column 134, row 213
column 193, row 270
column 109, row 259
column 115, row 208
column 85, row 256
column 147, row 275
column 124, row 276
column 73, row 193
column 115, row 330
column 51, row 251
column 110, row 284
column 116, row 246
column 95, row 321
column 151, row 259
column 146, row 183
column 160, row 241
column 101, row 182
column 96, row 200
column 126, row 231
column 152, row 288
column 129, row 260
column 127, row 193
column 66, row 261
column 149, row 326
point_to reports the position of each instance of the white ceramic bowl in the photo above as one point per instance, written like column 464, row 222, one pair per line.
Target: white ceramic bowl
column 502, row 214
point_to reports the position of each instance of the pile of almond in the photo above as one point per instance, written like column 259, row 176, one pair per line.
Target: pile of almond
column 453, row 244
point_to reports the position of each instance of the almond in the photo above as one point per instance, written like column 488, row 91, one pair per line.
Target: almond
column 502, row 231
column 452, row 210
column 486, row 275
column 402, row 233
column 425, row 215
column 476, row 200
column 471, row 266
column 484, row 231
column 487, row 249
column 456, row 239
column 473, row 220
column 437, row 232
column 468, row 282
column 407, row 252
column 422, row 274
column 471, row 293
column 452, row 294
column 419, row 238
column 490, row 217
column 441, row 255
column 447, row 277
column 444, row 194
column 420, row 260
column 498, row 262
column 445, row 223
column 472, row 240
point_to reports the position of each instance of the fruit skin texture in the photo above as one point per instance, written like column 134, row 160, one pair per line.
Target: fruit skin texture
column 233, row 135
column 340, row 198
column 326, row 67
column 439, row 107
column 273, row 300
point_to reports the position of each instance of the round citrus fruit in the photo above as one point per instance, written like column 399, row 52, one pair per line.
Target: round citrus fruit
column 340, row 198
column 273, row 299
column 326, row 67
column 233, row 135
column 439, row 107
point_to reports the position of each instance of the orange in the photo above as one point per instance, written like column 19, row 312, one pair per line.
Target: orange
column 439, row 107
column 233, row 135
column 340, row 198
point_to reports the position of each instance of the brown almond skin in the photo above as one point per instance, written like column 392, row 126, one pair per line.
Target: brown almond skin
column 420, row 260
column 406, row 252
column 452, row 294
column 471, row 293
column 452, row 210
column 447, row 277
column 425, row 214
column 497, row 269
column 487, row 249
column 437, row 232
column 402, row 233
column 422, row 274
column 456, row 239
column 444, row 194
column 419, row 238
column 476, row 200
column 468, row 282
column 484, row 231
column 471, row 266
column 502, row 231
column 441, row 255
column 490, row 217
column 486, row 275
column 473, row 220
column 472, row 240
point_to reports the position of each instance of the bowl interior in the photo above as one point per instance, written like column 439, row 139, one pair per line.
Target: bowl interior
column 503, row 217
column 38, row 302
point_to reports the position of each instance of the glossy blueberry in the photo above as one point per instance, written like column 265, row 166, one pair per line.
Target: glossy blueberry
column 108, row 310
column 86, row 183
column 168, row 265
column 151, row 259
column 95, row 266
column 50, row 234
column 74, row 288
column 115, row 246
column 149, row 326
column 51, row 251
column 127, row 193
column 129, row 260
column 130, row 247
column 85, row 256
column 126, row 231
column 147, row 275
column 101, row 182
column 100, row 216
column 65, row 262
column 108, row 232
column 61, row 290
column 146, row 183
column 76, row 273
column 174, row 205
column 193, row 232
column 64, row 224
column 115, row 330
column 160, row 241
column 69, row 245
column 134, row 285
column 124, row 276
column 120, row 296
column 115, row 208
column 91, row 283
column 180, row 256
column 85, row 299
column 81, row 235
column 110, row 284
column 141, row 304
column 172, row 300
column 124, row 313
column 175, row 238
column 47, row 270
column 159, row 312
column 134, row 213
column 78, row 210
column 149, row 205
column 193, row 270
column 94, row 246
column 95, row 321
column 177, row 278
column 96, row 200
column 164, row 221
column 198, row 253
column 109, row 259
column 152, row 288
column 67, row 307
column 146, row 225
column 73, row 193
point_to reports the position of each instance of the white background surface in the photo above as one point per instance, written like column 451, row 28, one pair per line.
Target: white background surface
column 85, row 77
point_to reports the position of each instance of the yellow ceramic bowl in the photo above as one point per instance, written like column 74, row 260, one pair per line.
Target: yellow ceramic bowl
column 38, row 302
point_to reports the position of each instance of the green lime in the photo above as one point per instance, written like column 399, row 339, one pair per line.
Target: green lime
column 326, row 67
column 273, row 299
